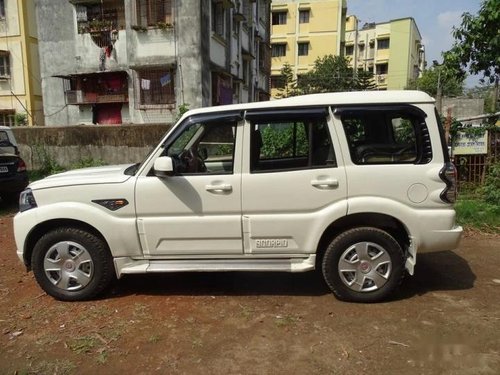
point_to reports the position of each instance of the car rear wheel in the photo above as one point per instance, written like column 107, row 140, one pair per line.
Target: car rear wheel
column 72, row 264
column 363, row 265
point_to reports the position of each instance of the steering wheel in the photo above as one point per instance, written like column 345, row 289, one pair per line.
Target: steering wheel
column 192, row 161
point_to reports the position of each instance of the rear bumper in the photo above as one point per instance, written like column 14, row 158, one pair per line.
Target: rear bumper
column 14, row 184
column 437, row 231
column 440, row 240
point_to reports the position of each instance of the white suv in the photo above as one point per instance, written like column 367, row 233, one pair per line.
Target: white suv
column 354, row 184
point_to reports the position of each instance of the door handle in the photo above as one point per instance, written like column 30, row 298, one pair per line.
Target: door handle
column 329, row 183
column 222, row 188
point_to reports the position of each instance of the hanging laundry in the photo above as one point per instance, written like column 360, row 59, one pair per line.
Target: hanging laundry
column 108, row 49
column 145, row 84
column 165, row 80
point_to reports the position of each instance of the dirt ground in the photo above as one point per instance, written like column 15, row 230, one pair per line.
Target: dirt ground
column 444, row 320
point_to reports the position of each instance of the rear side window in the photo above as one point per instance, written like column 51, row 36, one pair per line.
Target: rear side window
column 386, row 135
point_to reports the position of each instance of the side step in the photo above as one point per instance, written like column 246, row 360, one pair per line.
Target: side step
column 128, row 265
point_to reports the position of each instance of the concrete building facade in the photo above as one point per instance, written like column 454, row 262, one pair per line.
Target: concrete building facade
column 20, row 88
column 140, row 61
column 392, row 50
column 301, row 32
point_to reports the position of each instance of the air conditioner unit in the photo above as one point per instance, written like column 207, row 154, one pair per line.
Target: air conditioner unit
column 74, row 97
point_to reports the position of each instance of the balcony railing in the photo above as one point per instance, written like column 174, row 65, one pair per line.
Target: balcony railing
column 80, row 97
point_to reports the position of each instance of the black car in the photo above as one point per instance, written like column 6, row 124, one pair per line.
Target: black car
column 13, row 174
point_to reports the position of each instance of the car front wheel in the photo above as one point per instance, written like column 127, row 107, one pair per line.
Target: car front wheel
column 72, row 264
column 363, row 265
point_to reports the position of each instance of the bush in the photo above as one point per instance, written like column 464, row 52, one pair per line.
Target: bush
column 491, row 188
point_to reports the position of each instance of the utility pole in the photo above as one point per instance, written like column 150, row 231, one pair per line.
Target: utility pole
column 439, row 94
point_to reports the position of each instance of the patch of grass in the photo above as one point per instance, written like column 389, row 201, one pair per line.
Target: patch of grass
column 476, row 214
column 102, row 357
column 285, row 320
column 60, row 367
column 83, row 344
column 154, row 338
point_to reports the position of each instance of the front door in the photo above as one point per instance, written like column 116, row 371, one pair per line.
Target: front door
column 198, row 210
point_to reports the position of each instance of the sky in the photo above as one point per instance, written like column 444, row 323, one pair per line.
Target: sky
column 435, row 20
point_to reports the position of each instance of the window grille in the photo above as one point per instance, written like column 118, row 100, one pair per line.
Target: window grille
column 154, row 12
column 155, row 88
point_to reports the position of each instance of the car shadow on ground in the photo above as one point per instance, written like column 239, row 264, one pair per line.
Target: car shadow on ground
column 440, row 271
column 8, row 207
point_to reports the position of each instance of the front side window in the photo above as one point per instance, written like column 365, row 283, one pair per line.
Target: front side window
column 392, row 136
column 204, row 148
column 155, row 87
column 289, row 144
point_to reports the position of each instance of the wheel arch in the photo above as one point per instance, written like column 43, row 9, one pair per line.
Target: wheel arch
column 39, row 230
column 387, row 223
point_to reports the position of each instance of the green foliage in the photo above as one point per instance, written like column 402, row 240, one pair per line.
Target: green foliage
column 477, row 42
column 87, row 163
column 491, row 187
column 21, row 119
column 48, row 164
column 183, row 108
column 330, row 74
column 279, row 141
column 451, row 83
column 365, row 81
column 289, row 83
column 475, row 213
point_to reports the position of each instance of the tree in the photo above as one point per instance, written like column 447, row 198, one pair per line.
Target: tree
column 330, row 74
column 477, row 43
column 364, row 81
column 438, row 75
column 288, row 84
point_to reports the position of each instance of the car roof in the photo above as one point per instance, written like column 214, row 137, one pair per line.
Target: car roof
column 327, row 99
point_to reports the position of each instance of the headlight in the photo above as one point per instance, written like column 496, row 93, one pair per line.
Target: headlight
column 26, row 200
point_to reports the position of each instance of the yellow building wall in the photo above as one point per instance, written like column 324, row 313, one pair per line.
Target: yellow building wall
column 322, row 33
column 400, row 52
column 21, row 92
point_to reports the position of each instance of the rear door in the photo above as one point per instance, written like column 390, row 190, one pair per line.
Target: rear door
column 293, row 180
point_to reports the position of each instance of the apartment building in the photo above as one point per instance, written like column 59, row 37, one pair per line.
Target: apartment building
column 140, row 61
column 392, row 50
column 20, row 88
column 301, row 32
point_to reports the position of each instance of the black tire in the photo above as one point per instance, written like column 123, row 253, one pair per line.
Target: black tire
column 74, row 258
column 363, row 265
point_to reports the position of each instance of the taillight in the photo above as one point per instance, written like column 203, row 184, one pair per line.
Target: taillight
column 449, row 176
column 21, row 165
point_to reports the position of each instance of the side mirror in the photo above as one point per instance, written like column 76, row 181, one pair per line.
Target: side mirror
column 164, row 167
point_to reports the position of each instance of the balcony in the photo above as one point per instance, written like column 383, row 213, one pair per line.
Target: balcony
column 79, row 97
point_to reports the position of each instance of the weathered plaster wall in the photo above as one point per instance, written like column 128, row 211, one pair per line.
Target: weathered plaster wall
column 56, row 31
column 70, row 144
